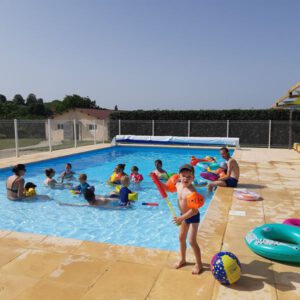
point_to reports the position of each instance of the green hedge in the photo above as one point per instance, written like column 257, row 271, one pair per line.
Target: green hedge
column 233, row 114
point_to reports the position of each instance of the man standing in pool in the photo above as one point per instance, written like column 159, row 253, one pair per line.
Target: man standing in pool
column 233, row 172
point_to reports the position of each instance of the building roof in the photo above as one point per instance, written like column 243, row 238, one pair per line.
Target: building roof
column 289, row 100
column 101, row 114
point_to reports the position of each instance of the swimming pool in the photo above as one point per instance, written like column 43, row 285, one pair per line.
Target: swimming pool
column 140, row 225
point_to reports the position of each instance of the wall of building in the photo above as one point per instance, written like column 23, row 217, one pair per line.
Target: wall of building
column 62, row 127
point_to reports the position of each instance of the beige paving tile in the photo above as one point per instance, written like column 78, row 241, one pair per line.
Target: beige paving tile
column 174, row 257
column 237, row 230
column 287, row 293
column 237, row 246
column 49, row 290
column 246, row 220
column 4, row 233
column 213, row 226
column 287, row 275
column 78, row 270
column 255, row 210
column 247, row 288
column 21, row 239
column 7, row 254
column 33, row 263
column 178, row 284
column 208, row 242
column 132, row 281
column 124, row 253
column 58, row 244
column 13, row 285
column 279, row 218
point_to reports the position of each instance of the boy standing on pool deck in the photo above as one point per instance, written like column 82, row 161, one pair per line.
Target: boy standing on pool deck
column 189, row 219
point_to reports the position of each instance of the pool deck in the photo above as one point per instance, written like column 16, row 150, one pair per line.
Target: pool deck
column 44, row 267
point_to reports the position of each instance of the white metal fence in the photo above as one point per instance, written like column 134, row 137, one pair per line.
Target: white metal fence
column 264, row 133
column 20, row 137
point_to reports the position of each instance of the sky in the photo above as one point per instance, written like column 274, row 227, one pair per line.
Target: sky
column 151, row 54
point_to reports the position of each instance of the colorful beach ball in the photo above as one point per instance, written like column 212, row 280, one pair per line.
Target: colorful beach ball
column 226, row 267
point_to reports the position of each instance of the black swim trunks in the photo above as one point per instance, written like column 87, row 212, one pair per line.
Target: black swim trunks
column 193, row 219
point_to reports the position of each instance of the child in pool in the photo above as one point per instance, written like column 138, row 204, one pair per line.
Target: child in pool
column 124, row 191
column 30, row 189
column 189, row 218
column 50, row 181
column 159, row 171
column 67, row 173
column 135, row 177
column 97, row 200
column 118, row 173
column 83, row 184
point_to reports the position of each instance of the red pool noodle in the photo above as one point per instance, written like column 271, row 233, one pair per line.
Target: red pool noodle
column 159, row 185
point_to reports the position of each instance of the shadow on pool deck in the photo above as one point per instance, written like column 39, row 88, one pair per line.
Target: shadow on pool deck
column 262, row 270
column 250, row 186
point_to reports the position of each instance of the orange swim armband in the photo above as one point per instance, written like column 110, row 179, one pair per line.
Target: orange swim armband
column 195, row 200
column 171, row 183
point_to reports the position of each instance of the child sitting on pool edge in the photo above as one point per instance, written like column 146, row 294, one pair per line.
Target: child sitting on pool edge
column 190, row 216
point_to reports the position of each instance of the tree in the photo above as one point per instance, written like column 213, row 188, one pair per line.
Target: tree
column 31, row 99
column 116, row 107
column 76, row 101
column 2, row 98
column 37, row 109
column 18, row 99
column 40, row 101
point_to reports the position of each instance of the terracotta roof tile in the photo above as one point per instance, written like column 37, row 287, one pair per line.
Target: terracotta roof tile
column 101, row 114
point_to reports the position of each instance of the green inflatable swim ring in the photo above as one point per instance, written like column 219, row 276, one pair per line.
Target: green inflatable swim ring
column 275, row 241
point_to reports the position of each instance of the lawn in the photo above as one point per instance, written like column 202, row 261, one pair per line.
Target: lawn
column 10, row 143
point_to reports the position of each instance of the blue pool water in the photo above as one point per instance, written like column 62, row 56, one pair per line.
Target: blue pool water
column 140, row 225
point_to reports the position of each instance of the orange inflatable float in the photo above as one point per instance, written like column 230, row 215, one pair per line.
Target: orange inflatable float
column 196, row 160
column 171, row 183
column 195, row 200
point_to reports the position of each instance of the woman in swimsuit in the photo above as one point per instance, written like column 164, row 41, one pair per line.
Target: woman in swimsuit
column 15, row 183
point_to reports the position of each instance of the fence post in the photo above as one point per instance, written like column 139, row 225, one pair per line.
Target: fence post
column 75, row 133
column 16, row 137
column 103, row 126
column 189, row 127
column 290, row 128
column 227, row 129
column 49, row 135
column 119, row 126
column 153, row 128
column 270, row 128
column 94, row 132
